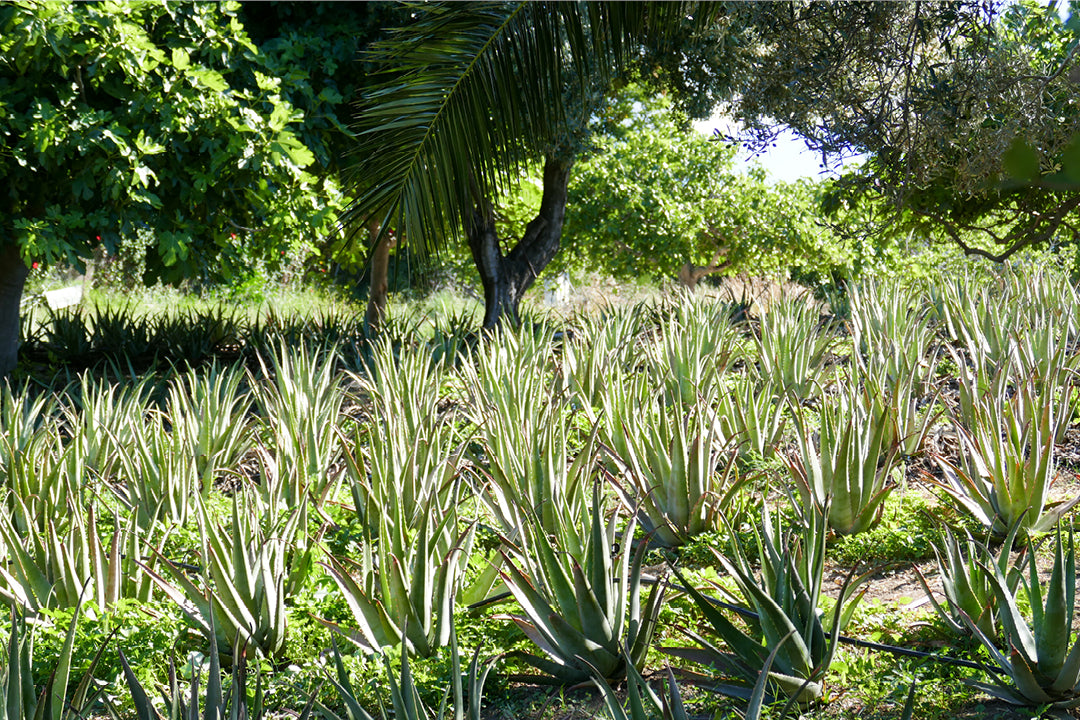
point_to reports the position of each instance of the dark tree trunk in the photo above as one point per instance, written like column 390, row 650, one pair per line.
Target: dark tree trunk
column 379, row 287
column 505, row 278
column 13, row 273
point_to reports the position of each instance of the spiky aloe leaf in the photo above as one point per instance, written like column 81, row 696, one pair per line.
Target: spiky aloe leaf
column 757, row 695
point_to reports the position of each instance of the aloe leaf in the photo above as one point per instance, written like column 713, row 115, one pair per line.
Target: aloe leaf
column 1053, row 624
column 56, row 689
column 1068, row 677
column 144, row 709
column 592, row 616
column 344, row 687
column 943, row 615
column 757, row 695
column 556, row 580
column 741, row 643
column 1001, row 692
column 572, row 644
column 776, row 624
column 641, row 639
column 532, row 601
column 1016, row 629
column 1024, row 678
column 365, row 612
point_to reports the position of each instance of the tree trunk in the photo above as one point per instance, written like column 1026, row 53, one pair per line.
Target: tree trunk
column 13, row 274
column 690, row 274
column 379, row 287
column 505, row 278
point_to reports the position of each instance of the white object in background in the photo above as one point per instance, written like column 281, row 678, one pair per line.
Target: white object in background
column 557, row 289
column 64, row 297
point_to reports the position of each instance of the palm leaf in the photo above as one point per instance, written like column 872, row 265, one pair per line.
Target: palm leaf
column 470, row 92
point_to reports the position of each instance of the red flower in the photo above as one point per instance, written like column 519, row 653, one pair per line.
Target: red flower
column 98, row 238
column 232, row 236
column 34, row 266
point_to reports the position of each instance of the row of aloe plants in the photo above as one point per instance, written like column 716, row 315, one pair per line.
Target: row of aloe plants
column 564, row 444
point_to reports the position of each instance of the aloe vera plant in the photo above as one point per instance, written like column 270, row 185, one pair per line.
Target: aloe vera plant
column 680, row 469
column 788, row 640
column 391, row 473
column 695, row 343
column 512, row 374
column 301, row 401
column 404, row 586
column 23, row 418
column 589, row 369
column 68, row 563
column 525, row 442
column 969, row 596
column 248, row 572
column 209, row 413
column 404, row 385
column 1007, row 458
column 160, row 479
column 850, row 469
column 790, row 348
column 398, row 459
column 582, row 610
column 106, row 420
column 752, row 413
column 38, row 475
column 981, row 322
column 891, row 334
column 1040, row 658
column 41, row 479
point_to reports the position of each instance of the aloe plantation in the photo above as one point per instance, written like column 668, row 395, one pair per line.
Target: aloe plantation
column 298, row 415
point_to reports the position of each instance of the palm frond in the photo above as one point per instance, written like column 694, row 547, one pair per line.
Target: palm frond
column 470, row 92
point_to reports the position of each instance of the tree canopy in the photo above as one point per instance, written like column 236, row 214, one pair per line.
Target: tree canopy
column 117, row 116
column 172, row 124
column 653, row 194
column 476, row 92
column 968, row 112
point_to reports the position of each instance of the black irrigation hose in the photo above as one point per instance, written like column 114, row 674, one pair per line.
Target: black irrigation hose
column 869, row 645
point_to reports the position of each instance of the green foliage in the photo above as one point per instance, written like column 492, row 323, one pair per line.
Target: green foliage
column 155, row 118
column 581, row 608
column 906, row 532
column 788, row 638
column 655, row 194
column 1041, row 660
